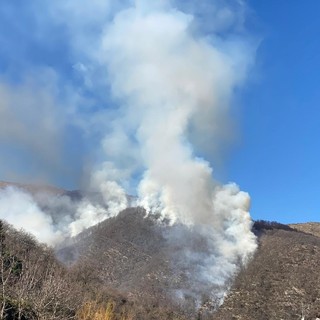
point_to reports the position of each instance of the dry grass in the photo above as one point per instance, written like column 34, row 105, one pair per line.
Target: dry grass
column 92, row 311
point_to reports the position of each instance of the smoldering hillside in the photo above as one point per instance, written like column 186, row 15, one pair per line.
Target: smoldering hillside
column 145, row 258
column 134, row 266
column 277, row 281
column 139, row 254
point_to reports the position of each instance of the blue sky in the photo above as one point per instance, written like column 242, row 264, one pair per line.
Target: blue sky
column 275, row 159
column 278, row 158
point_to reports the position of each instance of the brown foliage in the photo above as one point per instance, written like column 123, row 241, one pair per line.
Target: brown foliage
column 281, row 282
column 34, row 285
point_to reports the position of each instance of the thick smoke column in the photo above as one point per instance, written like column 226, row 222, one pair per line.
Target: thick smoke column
column 172, row 81
column 175, row 88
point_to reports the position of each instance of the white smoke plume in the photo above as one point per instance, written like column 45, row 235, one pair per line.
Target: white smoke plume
column 19, row 209
column 176, row 87
column 172, row 82
column 173, row 87
column 53, row 217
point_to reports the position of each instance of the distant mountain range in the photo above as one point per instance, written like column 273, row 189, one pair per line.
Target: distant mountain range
column 36, row 188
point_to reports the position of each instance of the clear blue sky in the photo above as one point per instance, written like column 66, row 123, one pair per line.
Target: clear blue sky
column 277, row 158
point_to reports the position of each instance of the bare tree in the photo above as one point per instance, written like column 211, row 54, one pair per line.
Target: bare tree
column 9, row 270
column 34, row 285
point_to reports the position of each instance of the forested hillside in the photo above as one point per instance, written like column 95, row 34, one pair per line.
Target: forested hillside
column 35, row 285
column 283, row 279
column 119, row 269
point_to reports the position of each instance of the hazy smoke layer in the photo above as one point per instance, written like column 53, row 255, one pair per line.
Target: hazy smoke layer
column 18, row 208
column 53, row 217
column 171, row 75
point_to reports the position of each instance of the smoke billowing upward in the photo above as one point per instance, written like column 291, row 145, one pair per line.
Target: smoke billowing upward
column 175, row 86
column 170, row 70
column 172, row 83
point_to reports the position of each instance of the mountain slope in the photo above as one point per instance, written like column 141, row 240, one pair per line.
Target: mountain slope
column 35, row 286
column 131, row 254
column 281, row 282
column 309, row 227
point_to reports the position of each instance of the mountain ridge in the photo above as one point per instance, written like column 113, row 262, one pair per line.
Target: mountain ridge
column 130, row 257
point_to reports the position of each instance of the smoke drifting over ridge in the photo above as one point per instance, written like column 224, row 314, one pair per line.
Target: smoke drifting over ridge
column 171, row 80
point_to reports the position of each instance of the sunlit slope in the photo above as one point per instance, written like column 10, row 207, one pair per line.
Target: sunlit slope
column 281, row 282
